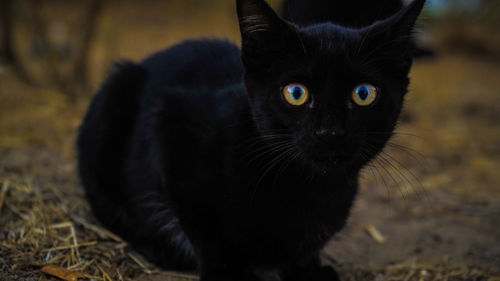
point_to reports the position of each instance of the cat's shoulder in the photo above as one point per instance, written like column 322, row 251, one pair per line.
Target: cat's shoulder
column 195, row 64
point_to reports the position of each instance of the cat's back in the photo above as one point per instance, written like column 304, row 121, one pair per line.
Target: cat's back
column 206, row 64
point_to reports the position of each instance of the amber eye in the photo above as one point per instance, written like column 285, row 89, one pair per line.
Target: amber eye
column 364, row 94
column 295, row 94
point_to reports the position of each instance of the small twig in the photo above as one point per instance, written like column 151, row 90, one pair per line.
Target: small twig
column 60, row 225
column 375, row 234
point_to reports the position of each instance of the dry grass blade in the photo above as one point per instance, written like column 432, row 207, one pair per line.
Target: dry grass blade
column 85, row 244
column 104, row 273
column 120, row 277
column 140, row 263
column 99, row 230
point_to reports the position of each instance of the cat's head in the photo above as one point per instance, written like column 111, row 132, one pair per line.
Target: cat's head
column 336, row 91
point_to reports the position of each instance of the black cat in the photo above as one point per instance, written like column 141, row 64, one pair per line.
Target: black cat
column 349, row 13
column 227, row 162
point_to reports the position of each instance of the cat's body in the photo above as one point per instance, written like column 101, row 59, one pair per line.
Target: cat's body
column 195, row 158
column 224, row 199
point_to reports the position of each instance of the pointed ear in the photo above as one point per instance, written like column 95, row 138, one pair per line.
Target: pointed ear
column 396, row 31
column 403, row 22
column 263, row 33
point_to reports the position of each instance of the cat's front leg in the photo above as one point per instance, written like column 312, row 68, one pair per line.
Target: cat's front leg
column 311, row 270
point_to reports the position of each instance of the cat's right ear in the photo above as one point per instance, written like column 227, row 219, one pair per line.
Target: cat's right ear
column 264, row 35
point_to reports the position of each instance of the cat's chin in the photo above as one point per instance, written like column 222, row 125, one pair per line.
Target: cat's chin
column 323, row 168
column 323, row 165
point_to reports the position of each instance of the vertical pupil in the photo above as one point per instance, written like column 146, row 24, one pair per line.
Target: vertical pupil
column 296, row 93
column 363, row 93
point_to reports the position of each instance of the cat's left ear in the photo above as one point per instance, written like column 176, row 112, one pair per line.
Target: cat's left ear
column 264, row 35
column 397, row 31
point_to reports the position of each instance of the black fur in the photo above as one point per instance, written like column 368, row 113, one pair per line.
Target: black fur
column 193, row 156
column 352, row 13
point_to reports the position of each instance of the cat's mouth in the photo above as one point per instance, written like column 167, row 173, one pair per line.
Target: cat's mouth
column 323, row 159
column 328, row 156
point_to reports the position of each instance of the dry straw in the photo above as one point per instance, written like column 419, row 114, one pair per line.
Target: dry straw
column 43, row 227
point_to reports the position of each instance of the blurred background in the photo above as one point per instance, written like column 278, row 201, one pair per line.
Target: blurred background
column 429, row 207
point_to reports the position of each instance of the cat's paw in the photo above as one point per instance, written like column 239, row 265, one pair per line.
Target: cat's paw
column 230, row 274
column 229, row 278
column 322, row 273
column 326, row 273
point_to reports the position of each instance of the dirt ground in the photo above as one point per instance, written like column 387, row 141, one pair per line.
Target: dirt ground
column 428, row 209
